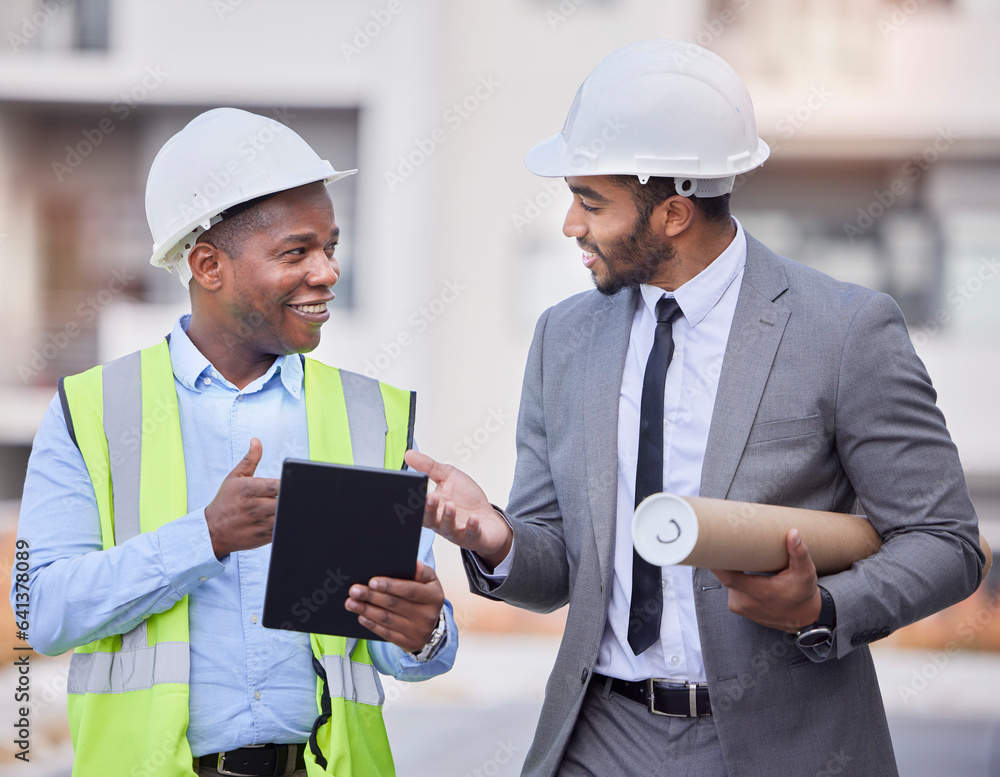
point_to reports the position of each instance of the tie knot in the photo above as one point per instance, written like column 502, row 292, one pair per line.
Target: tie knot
column 667, row 310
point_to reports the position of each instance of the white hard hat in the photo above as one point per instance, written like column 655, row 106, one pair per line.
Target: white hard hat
column 658, row 108
column 222, row 158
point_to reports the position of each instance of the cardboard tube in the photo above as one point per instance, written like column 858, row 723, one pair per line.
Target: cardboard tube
column 721, row 534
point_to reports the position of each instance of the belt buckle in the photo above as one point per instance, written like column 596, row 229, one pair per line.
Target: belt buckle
column 222, row 769
column 692, row 697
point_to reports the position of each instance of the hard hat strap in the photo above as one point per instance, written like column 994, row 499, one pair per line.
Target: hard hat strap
column 703, row 187
column 698, row 187
column 178, row 258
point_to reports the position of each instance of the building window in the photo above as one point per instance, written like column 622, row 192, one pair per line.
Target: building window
column 55, row 25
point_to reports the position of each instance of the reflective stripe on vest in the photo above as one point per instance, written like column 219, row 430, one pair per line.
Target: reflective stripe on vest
column 125, row 420
column 129, row 670
column 353, row 680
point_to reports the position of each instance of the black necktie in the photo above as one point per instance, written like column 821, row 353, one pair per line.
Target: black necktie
column 646, row 606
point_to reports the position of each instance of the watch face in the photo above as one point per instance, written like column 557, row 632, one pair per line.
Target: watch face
column 819, row 635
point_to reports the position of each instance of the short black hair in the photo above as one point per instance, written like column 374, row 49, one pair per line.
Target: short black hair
column 238, row 222
column 650, row 194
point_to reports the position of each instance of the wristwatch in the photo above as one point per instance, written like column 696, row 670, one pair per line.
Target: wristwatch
column 820, row 632
column 433, row 641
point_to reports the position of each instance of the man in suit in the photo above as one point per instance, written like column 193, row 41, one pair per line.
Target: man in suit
column 772, row 383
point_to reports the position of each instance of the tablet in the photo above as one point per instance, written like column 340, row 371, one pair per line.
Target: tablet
column 335, row 526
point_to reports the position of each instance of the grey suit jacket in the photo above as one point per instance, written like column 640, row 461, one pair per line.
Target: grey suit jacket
column 821, row 400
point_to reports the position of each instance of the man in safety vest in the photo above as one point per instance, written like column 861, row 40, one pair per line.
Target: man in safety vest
column 151, row 490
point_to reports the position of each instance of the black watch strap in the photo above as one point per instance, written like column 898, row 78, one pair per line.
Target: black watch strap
column 820, row 632
column 827, row 610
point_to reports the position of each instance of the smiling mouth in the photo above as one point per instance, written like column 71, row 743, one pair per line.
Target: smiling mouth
column 317, row 308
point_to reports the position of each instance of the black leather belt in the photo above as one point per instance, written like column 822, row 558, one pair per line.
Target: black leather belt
column 253, row 761
column 662, row 697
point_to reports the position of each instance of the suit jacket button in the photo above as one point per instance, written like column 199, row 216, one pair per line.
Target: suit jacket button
column 583, row 677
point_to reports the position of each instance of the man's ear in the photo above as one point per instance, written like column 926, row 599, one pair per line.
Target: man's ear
column 204, row 262
column 672, row 216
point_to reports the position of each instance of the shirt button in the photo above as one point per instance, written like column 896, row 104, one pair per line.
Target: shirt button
column 239, row 397
column 207, row 381
column 675, row 659
column 202, row 579
column 253, row 618
column 256, row 695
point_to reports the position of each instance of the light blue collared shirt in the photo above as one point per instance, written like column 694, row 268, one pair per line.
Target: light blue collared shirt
column 249, row 684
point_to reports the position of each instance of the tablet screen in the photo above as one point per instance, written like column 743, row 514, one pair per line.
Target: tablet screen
column 338, row 525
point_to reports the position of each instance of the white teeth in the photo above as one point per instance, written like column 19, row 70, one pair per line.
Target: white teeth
column 590, row 253
column 311, row 308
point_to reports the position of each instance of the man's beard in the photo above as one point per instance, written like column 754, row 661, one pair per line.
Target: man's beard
column 632, row 260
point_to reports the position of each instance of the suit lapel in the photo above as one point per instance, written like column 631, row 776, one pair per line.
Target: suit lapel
column 758, row 324
column 603, row 381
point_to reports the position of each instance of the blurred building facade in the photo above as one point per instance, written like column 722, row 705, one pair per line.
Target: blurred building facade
column 883, row 118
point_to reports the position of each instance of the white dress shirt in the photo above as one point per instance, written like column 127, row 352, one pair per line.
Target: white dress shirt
column 707, row 302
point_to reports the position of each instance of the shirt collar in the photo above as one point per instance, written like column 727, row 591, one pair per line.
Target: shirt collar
column 703, row 292
column 189, row 364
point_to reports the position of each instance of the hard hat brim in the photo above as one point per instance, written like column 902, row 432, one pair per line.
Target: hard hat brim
column 553, row 159
column 170, row 246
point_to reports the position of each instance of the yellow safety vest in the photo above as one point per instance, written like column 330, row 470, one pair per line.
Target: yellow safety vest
column 128, row 694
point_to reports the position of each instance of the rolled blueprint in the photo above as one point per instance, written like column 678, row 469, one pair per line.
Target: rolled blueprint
column 742, row 536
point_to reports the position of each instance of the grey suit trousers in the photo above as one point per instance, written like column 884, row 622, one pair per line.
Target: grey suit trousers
column 618, row 736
